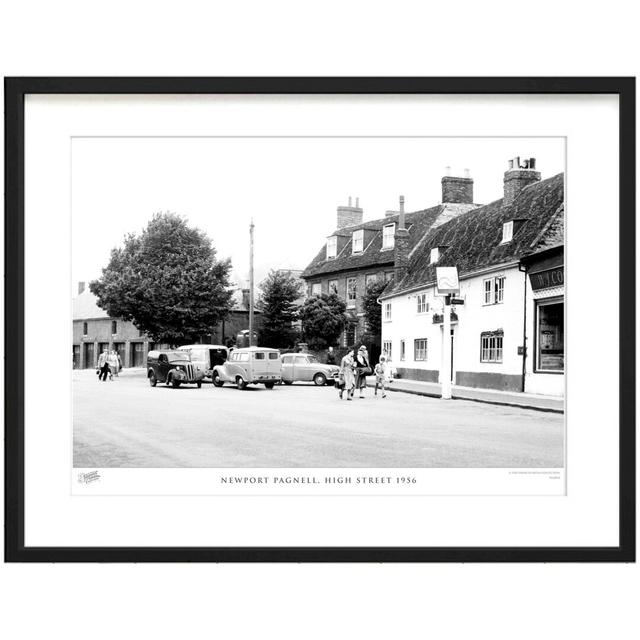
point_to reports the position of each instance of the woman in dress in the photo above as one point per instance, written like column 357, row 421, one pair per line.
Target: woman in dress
column 363, row 369
column 347, row 375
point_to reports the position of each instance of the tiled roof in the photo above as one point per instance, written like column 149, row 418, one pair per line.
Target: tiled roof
column 419, row 222
column 85, row 307
column 472, row 241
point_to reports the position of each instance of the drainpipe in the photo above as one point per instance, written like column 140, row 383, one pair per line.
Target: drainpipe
column 523, row 269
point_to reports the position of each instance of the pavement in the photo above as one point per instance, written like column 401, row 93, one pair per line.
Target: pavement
column 126, row 423
column 491, row 396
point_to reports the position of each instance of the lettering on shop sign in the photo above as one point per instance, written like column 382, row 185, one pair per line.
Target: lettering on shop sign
column 547, row 279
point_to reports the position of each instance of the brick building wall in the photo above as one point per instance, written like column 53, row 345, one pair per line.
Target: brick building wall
column 355, row 311
column 91, row 335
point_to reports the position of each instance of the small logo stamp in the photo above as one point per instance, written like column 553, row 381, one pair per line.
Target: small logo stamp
column 88, row 477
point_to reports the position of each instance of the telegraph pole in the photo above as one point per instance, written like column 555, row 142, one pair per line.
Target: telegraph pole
column 251, row 284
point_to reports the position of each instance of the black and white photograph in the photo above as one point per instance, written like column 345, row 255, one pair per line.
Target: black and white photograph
column 318, row 302
column 366, row 319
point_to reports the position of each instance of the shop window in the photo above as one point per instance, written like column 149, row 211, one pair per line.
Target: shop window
column 491, row 346
column 550, row 336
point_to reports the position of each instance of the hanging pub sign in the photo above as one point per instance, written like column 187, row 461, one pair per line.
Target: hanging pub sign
column 447, row 281
column 547, row 279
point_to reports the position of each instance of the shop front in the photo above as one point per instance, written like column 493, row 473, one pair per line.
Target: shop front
column 546, row 327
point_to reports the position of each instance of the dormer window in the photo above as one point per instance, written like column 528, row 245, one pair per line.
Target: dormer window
column 507, row 232
column 435, row 255
column 332, row 247
column 388, row 233
column 358, row 241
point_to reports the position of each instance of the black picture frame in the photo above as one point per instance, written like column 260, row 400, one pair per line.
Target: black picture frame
column 15, row 91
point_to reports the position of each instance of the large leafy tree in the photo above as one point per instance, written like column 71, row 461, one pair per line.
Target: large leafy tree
column 167, row 281
column 280, row 290
column 372, row 310
column 323, row 320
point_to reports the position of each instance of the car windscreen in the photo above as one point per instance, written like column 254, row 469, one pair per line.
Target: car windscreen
column 176, row 357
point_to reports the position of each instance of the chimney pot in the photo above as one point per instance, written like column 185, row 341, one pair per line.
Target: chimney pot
column 517, row 177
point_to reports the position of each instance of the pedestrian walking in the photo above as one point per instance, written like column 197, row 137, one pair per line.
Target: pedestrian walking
column 331, row 356
column 383, row 376
column 347, row 379
column 103, row 365
column 112, row 359
column 363, row 369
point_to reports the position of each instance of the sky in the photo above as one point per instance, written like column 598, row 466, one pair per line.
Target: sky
column 291, row 188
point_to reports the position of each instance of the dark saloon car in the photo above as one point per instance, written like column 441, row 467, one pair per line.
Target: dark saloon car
column 173, row 368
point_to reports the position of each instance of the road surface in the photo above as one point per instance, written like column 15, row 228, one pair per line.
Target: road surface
column 126, row 423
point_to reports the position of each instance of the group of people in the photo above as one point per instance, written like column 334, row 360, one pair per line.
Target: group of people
column 109, row 364
column 354, row 369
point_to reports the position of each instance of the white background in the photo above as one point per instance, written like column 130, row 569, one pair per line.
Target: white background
column 461, row 601
column 586, row 516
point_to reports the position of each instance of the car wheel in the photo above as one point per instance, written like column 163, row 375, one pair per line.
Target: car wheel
column 269, row 385
column 175, row 383
column 320, row 379
column 240, row 382
column 288, row 381
column 199, row 385
column 153, row 381
column 216, row 380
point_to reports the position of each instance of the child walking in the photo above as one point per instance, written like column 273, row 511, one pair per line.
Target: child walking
column 383, row 373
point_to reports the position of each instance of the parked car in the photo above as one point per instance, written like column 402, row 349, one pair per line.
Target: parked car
column 305, row 367
column 172, row 368
column 253, row 365
column 206, row 356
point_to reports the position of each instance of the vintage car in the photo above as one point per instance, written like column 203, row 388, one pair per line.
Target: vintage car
column 253, row 365
column 206, row 356
column 305, row 367
column 173, row 368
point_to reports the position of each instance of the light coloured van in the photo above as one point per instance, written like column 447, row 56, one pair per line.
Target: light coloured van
column 206, row 356
column 253, row 365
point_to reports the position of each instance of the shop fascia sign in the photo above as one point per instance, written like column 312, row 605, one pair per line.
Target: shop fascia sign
column 547, row 279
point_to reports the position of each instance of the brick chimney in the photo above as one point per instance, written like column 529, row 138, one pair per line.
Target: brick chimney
column 517, row 177
column 349, row 215
column 401, row 246
column 457, row 189
column 81, row 287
